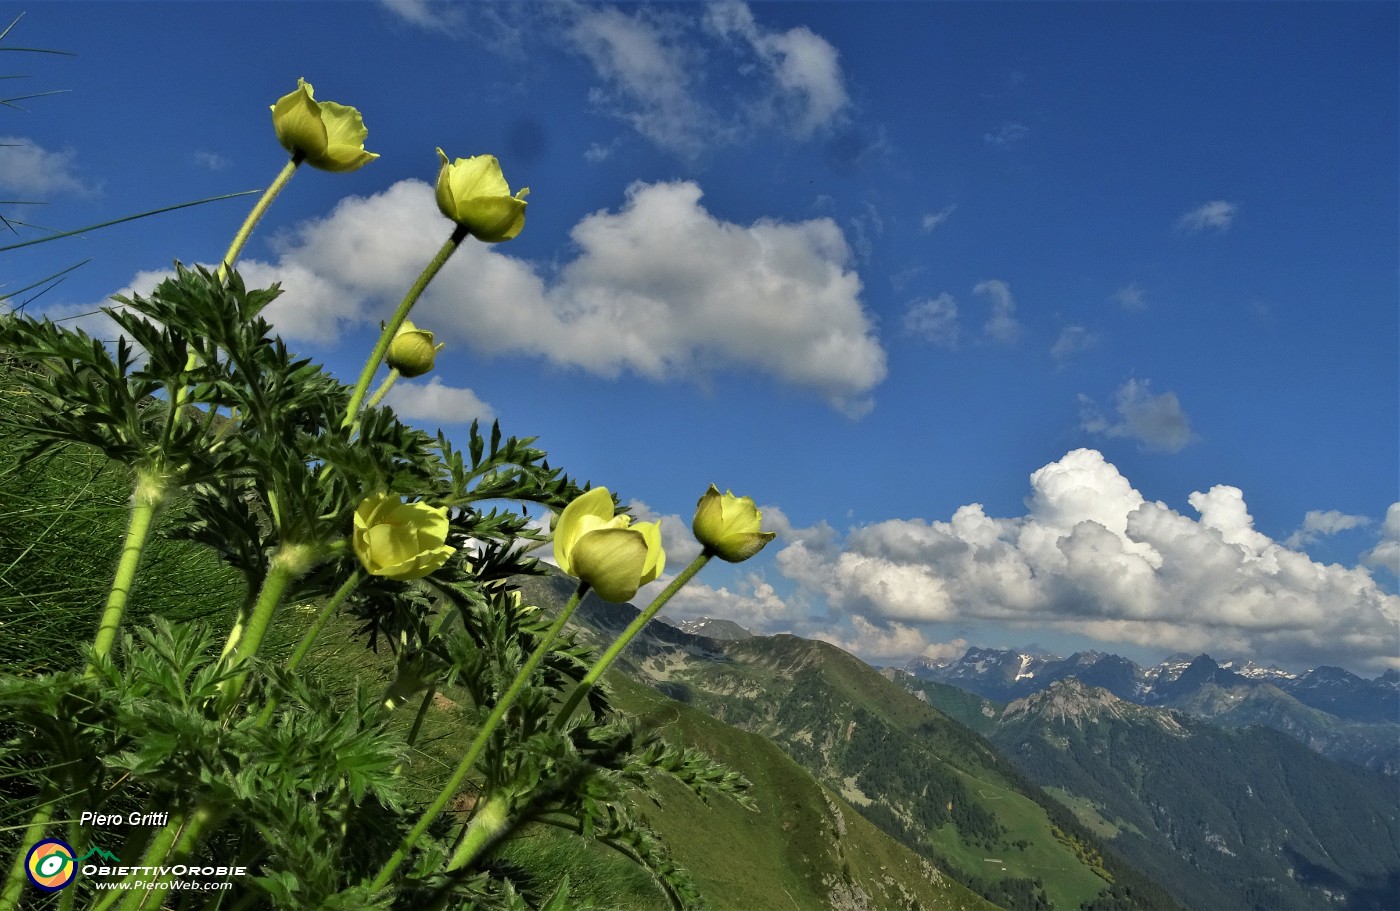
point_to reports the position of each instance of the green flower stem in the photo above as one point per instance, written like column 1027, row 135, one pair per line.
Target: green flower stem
column 145, row 499
column 290, row 561
column 391, row 328
column 259, row 209
column 628, row 634
column 15, row 881
column 175, row 840
column 156, row 852
column 76, row 835
column 384, row 388
column 417, row 725
column 235, row 632
column 304, row 647
column 483, row 736
column 231, row 256
column 491, row 819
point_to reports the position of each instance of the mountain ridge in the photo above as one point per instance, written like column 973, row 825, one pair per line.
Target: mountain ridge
column 1333, row 711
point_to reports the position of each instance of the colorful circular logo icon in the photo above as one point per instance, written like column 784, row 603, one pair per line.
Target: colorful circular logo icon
column 50, row 865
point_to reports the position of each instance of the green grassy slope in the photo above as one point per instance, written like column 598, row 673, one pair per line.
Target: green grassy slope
column 921, row 777
column 803, row 848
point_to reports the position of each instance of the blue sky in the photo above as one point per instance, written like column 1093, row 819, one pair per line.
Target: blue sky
column 1072, row 324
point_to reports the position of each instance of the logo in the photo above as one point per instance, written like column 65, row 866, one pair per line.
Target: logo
column 50, row 865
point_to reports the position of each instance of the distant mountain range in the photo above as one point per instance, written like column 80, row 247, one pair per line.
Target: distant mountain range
column 1066, row 797
column 936, row 788
column 1332, row 710
column 1227, row 818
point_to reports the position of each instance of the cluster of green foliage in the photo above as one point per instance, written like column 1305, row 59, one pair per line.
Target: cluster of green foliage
column 1087, row 853
column 1014, row 893
column 246, row 443
column 61, row 520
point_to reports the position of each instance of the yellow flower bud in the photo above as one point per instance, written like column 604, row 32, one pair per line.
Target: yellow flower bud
column 605, row 550
column 411, row 352
column 400, row 540
column 473, row 192
column 729, row 525
column 327, row 135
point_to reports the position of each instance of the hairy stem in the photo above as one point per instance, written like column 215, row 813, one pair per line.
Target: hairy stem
column 483, row 736
column 384, row 388
column 259, row 209
column 148, row 495
column 15, row 881
column 290, row 561
column 627, row 636
column 391, row 328
column 304, row 646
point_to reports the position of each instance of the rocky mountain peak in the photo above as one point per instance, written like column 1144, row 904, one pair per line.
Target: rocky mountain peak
column 711, row 628
column 1068, row 701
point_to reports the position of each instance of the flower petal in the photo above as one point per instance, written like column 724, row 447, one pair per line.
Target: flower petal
column 345, row 139
column 296, row 119
column 598, row 504
column 611, row 560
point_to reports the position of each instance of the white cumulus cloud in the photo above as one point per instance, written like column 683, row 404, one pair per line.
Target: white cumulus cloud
column 430, row 15
column 1386, row 553
column 657, row 71
column 934, row 319
column 808, row 87
column 752, row 603
column 1073, row 340
column 438, row 403
column 879, row 641
column 1317, row 523
column 1130, row 297
column 1092, row 556
column 660, row 288
column 932, row 220
column 33, row 172
column 650, row 75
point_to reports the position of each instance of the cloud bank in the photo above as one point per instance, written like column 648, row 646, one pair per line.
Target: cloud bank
column 1092, row 556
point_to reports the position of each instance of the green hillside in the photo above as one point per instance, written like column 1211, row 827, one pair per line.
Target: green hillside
column 1225, row 818
column 924, row 779
column 803, row 848
column 1245, row 818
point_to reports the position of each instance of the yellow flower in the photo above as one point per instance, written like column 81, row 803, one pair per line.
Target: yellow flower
column 473, row 192
column 411, row 352
column 329, row 136
column 729, row 525
column 400, row 540
column 607, row 551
